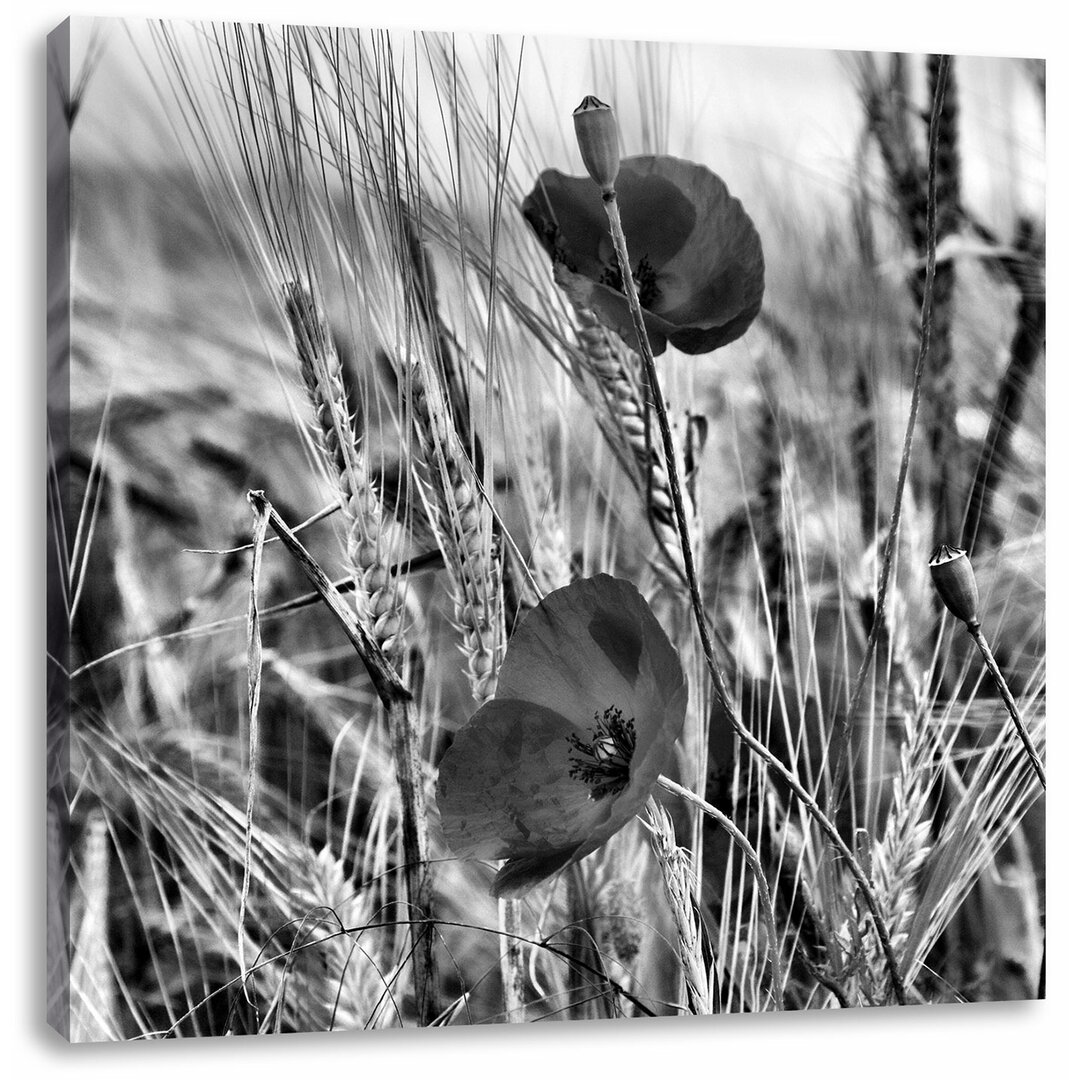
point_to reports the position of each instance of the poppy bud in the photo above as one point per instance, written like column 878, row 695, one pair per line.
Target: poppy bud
column 954, row 579
column 598, row 140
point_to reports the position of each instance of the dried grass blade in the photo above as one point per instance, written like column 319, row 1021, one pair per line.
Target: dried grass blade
column 254, row 675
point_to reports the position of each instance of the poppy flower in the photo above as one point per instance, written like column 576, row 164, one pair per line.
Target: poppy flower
column 696, row 255
column 591, row 698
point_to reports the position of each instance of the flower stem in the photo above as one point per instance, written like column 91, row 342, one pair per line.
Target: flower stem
column 716, row 675
column 752, row 860
column 512, row 961
column 975, row 630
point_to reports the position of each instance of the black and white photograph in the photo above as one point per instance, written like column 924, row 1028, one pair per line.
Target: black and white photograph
column 540, row 528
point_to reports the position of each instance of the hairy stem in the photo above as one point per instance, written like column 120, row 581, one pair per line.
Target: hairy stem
column 512, row 961
column 975, row 630
column 727, row 705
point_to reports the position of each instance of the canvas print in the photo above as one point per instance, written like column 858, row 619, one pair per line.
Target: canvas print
column 541, row 529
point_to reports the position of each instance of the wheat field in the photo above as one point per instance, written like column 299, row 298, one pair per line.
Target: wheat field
column 343, row 433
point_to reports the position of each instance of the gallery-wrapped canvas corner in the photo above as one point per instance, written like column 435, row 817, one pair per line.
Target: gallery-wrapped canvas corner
column 539, row 529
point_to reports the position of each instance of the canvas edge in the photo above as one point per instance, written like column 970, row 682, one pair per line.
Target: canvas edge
column 58, row 517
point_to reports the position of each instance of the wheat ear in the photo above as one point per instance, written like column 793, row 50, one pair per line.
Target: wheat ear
column 377, row 595
column 699, row 975
column 377, row 603
column 549, row 551
column 898, row 856
column 614, row 369
column 464, row 527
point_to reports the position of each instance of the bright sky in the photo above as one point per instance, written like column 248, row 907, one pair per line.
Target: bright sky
column 756, row 115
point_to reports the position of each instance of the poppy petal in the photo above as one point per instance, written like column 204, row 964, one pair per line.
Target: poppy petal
column 596, row 644
column 505, row 788
column 580, row 650
column 698, row 240
column 511, row 786
column 568, row 217
column 520, row 875
column 657, row 216
column 720, row 283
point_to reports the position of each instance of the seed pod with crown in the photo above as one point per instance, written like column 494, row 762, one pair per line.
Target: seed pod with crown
column 954, row 579
column 598, row 140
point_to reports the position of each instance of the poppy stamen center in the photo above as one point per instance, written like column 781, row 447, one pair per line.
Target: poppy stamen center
column 645, row 280
column 603, row 761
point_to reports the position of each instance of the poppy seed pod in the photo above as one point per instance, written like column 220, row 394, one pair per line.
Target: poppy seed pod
column 954, row 579
column 598, row 141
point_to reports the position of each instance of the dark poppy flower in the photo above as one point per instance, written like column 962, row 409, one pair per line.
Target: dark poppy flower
column 591, row 698
column 695, row 252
